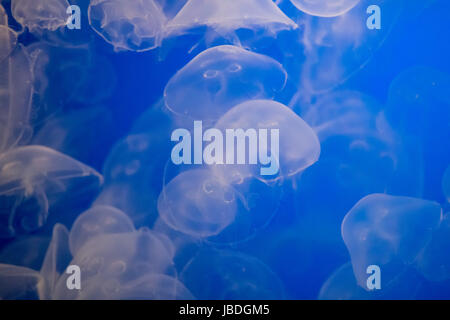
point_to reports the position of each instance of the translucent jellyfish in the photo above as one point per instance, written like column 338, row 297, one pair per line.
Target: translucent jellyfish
column 97, row 221
column 55, row 262
column 15, row 95
column 389, row 232
column 325, row 8
column 18, row 282
column 297, row 145
column 113, row 262
column 224, row 17
column 197, row 203
column 135, row 26
column 8, row 41
column 35, row 178
column 228, row 275
column 219, row 78
column 40, row 15
column 446, row 184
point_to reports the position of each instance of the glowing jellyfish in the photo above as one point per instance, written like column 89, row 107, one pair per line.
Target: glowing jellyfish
column 389, row 232
column 18, row 282
column 219, row 78
column 110, row 262
column 33, row 179
column 40, row 15
column 15, row 95
column 197, row 203
column 285, row 146
column 446, row 184
column 224, row 17
column 325, row 8
column 97, row 221
column 228, row 275
column 135, row 26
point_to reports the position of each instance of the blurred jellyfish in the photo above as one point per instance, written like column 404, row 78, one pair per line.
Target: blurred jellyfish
column 111, row 263
column 3, row 16
column 39, row 16
column 135, row 26
column 56, row 261
column 389, row 232
column 325, row 8
column 298, row 145
column 18, row 282
column 446, row 184
column 197, row 203
column 225, row 17
column 228, row 275
column 97, row 221
column 33, row 179
column 8, row 41
column 219, row 78
column 15, row 97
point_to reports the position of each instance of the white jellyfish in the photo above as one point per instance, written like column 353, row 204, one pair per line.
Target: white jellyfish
column 284, row 144
column 446, row 184
column 18, row 282
column 40, row 16
column 325, row 8
column 228, row 275
column 32, row 180
column 197, row 203
column 225, row 17
column 389, row 232
column 219, row 78
column 97, row 221
column 133, row 26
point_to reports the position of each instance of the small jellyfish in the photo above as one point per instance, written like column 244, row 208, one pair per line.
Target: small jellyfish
column 228, row 275
column 33, row 179
column 97, row 221
column 389, row 232
column 220, row 78
column 135, row 26
column 325, row 8
column 285, row 144
column 446, row 184
column 225, row 17
column 39, row 16
column 18, row 282
column 197, row 203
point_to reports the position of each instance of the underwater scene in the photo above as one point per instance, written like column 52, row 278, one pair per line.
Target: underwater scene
column 224, row 149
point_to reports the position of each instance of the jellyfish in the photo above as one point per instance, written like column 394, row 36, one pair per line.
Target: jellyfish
column 219, row 78
column 135, row 26
column 18, row 282
column 97, row 221
column 33, row 180
column 287, row 145
column 15, row 96
column 225, row 17
column 325, row 8
column 118, row 259
column 39, row 16
column 229, row 275
column 8, row 41
column 3, row 16
column 388, row 231
column 197, row 203
column 446, row 184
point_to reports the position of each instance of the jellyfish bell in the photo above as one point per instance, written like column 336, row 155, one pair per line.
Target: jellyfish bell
column 325, row 8
column 388, row 231
column 219, row 78
column 225, row 17
column 135, row 26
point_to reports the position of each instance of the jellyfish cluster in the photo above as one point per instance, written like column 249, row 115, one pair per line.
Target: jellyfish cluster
column 343, row 168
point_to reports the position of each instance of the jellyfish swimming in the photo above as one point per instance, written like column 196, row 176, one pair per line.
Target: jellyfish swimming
column 388, row 231
column 225, row 17
column 39, row 16
column 97, row 221
column 219, row 78
column 135, row 26
column 197, row 203
column 325, row 8
column 230, row 275
column 33, row 179
column 296, row 148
